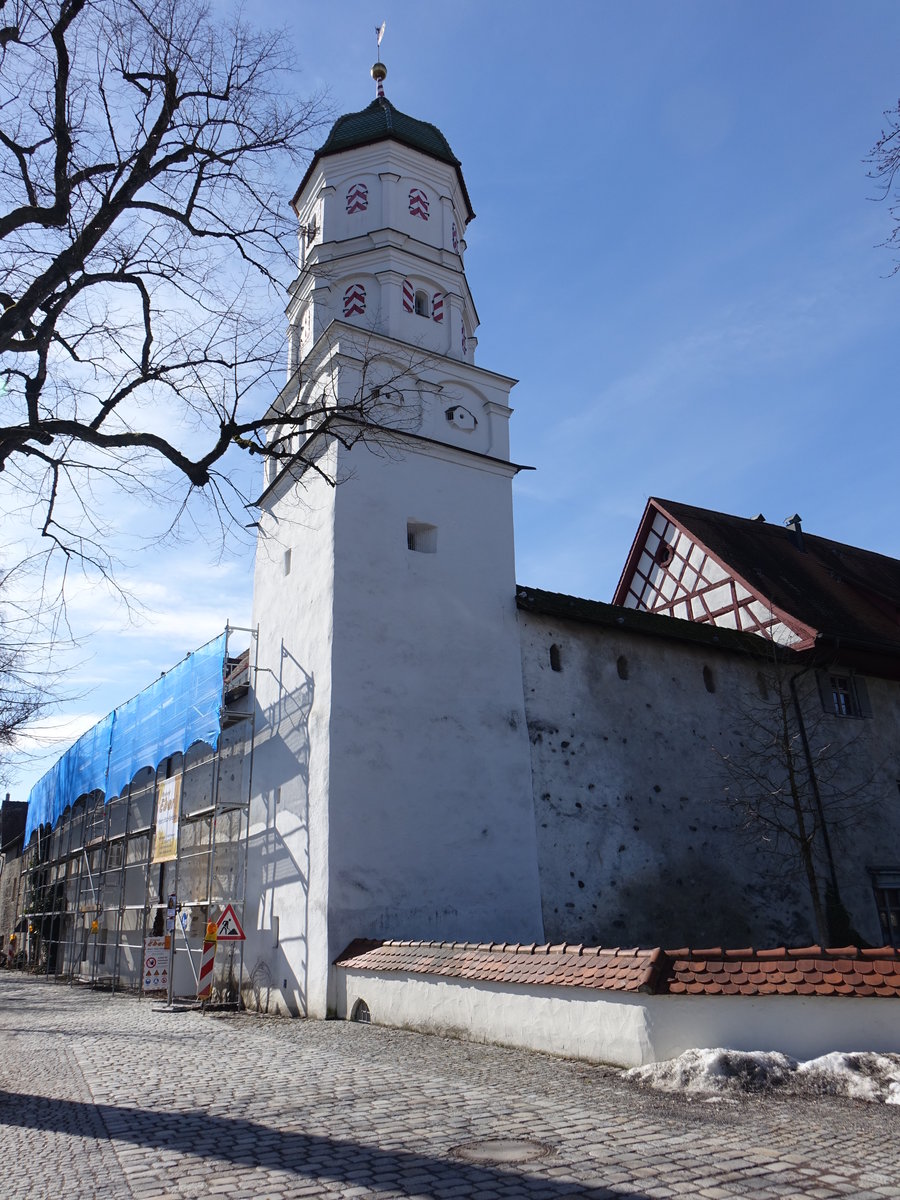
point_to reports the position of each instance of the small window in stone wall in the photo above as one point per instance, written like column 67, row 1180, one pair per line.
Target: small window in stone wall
column 555, row 661
column 287, row 562
column 886, row 884
column 622, row 666
column 709, row 680
column 361, row 1013
column 421, row 538
column 421, row 304
column 843, row 695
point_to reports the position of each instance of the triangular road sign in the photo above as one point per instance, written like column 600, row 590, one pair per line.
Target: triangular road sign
column 229, row 927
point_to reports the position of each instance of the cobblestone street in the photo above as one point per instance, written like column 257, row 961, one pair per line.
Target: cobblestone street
column 104, row 1096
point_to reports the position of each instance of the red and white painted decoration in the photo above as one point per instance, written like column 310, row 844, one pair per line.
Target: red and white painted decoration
column 354, row 300
column 455, row 236
column 409, row 296
column 464, row 342
column 437, row 306
column 418, row 203
column 357, row 198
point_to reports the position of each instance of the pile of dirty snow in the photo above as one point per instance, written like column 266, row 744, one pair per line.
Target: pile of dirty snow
column 720, row 1073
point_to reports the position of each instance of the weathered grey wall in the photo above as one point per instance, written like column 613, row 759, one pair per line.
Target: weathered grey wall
column 10, row 874
column 635, row 844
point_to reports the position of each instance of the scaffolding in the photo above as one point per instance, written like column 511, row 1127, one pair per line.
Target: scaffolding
column 97, row 885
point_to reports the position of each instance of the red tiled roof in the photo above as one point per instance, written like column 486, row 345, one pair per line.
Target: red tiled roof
column 500, row 962
column 801, row 971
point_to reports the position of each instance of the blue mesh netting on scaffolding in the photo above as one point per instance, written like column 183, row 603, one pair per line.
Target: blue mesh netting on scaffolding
column 182, row 707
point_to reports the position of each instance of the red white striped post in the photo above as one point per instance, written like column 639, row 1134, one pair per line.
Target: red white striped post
column 204, row 983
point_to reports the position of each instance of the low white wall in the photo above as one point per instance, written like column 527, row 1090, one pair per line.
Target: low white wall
column 802, row 1026
column 575, row 1023
column 617, row 1027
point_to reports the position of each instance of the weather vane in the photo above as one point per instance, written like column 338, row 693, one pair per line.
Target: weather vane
column 379, row 71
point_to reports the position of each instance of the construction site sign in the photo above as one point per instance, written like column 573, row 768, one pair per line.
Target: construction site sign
column 229, row 927
column 156, row 964
column 168, row 804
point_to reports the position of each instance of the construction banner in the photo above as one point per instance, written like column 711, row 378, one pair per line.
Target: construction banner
column 168, row 804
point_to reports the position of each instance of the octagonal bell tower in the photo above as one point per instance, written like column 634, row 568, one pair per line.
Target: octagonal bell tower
column 392, row 769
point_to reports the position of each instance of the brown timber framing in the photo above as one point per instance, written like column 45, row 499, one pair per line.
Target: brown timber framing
column 97, row 863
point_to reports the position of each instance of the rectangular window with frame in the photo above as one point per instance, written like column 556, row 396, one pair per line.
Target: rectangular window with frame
column 886, row 886
column 843, row 694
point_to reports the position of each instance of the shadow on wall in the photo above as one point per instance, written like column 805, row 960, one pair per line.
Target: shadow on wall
column 281, row 850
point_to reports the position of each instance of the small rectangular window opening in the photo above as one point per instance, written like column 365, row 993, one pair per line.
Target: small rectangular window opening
column 421, row 538
column 842, row 696
column 886, row 886
column 287, row 562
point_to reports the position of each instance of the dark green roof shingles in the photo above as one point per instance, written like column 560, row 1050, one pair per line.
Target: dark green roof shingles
column 381, row 120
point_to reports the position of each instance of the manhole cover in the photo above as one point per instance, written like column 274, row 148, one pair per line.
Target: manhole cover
column 502, row 1150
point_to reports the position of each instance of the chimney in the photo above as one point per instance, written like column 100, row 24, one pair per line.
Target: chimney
column 793, row 524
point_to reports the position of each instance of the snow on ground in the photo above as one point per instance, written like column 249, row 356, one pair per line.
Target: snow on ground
column 718, row 1074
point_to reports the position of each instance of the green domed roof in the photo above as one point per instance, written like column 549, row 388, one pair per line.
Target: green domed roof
column 382, row 121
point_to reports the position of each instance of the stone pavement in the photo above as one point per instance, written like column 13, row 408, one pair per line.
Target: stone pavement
column 104, row 1096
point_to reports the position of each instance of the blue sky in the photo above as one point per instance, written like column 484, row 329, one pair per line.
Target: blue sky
column 676, row 253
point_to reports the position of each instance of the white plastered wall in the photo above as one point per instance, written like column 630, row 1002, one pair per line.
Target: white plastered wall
column 431, row 830
column 287, row 894
column 619, row 1028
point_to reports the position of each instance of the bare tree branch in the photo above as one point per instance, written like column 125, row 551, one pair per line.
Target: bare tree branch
column 884, row 161
column 788, row 786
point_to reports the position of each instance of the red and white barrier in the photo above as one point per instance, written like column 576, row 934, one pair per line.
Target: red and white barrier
column 207, row 961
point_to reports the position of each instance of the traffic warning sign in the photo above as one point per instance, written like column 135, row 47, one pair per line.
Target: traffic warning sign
column 229, row 927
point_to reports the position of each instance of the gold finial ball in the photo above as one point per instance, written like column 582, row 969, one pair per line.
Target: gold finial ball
column 379, row 72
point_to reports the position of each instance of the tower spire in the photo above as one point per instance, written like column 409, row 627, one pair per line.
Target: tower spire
column 379, row 70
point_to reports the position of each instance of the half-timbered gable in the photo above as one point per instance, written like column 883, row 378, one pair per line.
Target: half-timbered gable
column 773, row 580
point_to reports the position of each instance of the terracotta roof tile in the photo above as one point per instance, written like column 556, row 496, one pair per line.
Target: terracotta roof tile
column 805, row 970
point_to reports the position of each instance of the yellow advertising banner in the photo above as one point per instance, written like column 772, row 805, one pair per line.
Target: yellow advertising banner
column 168, row 803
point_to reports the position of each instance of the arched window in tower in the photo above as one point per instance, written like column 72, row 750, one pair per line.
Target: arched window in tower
column 305, row 325
column 409, row 296
column 454, row 234
column 418, row 203
column 421, row 304
column 354, row 300
column 357, row 198
column 437, row 306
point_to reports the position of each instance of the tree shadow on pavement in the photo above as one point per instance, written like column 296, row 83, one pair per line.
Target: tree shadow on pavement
column 316, row 1157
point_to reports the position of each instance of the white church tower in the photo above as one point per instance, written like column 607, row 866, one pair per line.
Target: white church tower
column 392, row 775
